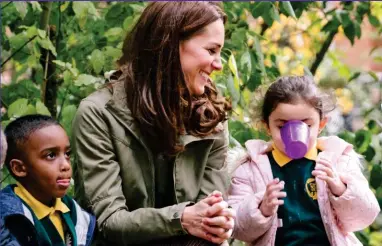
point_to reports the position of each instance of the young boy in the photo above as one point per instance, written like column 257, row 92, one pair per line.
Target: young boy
column 36, row 210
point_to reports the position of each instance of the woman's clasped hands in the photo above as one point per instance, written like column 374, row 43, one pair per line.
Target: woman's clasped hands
column 210, row 219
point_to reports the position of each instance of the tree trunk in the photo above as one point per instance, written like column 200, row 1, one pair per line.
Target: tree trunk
column 50, row 85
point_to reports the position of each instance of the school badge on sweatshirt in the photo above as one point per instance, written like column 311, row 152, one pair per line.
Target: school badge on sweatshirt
column 311, row 188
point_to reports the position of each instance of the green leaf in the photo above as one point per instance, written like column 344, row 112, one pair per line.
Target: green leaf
column 41, row 33
column 128, row 23
column 357, row 29
column 376, row 176
column 288, row 8
column 36, row 6
column 16, row 42
column 62, row 64
column 86, row 79
column 18, row 108
column 47, row 44
column 362, row 140
column 137, row 7
column 354, row 76
column 232, row 65
column 97, row 60
column 331, row 25
column 42, row 109
column 114, row 34
column 254, row 81
column 369, row 153
column 68, row 77
column 112, row 52
column 374, row 21
column 374, row 76
column 64, row 6
column 259, row 55
column 30, row 110
column 235, row 94
column 350, row 32
column 345, row 18
column 22, row 8
column 271, row 15
column 67, row 116
column 347, row 136
column 31, row 31
column 259, row 8
column 246, row 62
column 84, row 10
column 374, row 127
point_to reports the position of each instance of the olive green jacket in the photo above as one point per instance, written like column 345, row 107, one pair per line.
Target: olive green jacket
column 114, row 171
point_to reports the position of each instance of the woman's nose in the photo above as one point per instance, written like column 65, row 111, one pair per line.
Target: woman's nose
column 217, row 64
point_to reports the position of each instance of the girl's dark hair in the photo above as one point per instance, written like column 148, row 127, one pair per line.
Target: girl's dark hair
column 292, row 89
column 157, row 94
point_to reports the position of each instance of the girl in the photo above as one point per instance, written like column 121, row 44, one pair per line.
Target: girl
column 319, row 198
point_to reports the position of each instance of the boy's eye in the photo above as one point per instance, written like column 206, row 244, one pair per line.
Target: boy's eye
column 51, row 156
column 68, row 153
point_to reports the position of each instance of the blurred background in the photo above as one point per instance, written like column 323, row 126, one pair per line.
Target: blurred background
column 53, row 54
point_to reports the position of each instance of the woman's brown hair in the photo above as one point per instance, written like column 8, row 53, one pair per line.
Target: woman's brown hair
column 157, row 94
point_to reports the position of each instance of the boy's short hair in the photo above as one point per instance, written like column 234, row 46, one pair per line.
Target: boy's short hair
column 18, row 131
column 3, row 147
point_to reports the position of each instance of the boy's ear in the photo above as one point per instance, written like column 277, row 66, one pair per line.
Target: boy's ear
column 18, row 168
column 322, row 124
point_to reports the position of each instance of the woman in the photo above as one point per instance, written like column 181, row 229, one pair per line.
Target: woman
column 151, row 145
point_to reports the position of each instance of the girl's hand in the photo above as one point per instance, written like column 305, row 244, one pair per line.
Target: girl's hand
column 271, row 197
column 324, row 171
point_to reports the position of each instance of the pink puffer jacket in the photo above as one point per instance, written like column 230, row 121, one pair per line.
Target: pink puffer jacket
column 353, row 211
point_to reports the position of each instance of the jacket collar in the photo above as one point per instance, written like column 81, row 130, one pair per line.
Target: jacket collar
column 118, row 107
column 282, row 159
column 10, row 204
column 40, row 209
column 257, row 147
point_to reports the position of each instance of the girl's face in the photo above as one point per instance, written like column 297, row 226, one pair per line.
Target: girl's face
column 200, row 56
column 298, row 111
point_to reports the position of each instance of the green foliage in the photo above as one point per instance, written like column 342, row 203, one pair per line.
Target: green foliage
column 89, row 37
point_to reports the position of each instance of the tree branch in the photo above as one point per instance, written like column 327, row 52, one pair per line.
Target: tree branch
column 2, row 8
column 18, row 50
column 3, row 104
column 321, row 54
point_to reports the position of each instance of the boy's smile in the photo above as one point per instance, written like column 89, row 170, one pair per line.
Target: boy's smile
column 47, row 164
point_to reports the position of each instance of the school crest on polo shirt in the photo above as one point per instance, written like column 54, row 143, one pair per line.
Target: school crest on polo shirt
column 311, row 188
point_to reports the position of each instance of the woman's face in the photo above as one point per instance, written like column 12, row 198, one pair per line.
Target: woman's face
column 200, row 56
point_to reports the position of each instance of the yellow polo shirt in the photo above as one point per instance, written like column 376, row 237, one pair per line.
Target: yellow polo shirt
column 282, row 159
column 41, row 210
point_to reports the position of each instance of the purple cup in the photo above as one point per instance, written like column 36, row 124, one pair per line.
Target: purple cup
column 295, row 136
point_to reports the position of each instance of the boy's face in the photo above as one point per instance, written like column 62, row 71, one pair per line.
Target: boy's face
column 47, row 164
column 300, row 111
